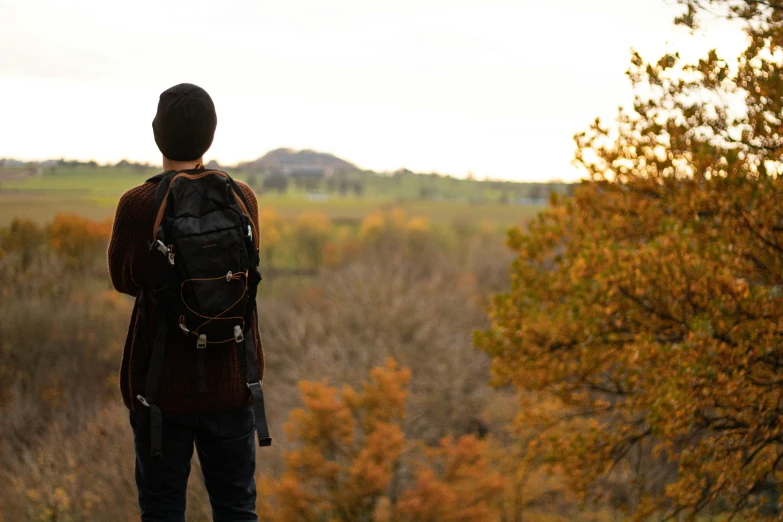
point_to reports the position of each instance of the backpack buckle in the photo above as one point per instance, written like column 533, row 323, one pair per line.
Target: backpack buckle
column 143, row 400
column 166, row 251
column 202, row 342
column 182, row 325
column 238, row 335
column 161, row 247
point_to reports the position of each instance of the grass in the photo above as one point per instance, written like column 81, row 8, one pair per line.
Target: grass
column 94, row 192
column 43, row 207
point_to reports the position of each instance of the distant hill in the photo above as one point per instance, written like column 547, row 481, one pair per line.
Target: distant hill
column 287, row 160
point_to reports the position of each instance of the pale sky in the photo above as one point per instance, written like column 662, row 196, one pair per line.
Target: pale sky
column 496, row 87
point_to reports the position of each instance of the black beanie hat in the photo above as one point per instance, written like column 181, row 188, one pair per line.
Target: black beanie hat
column 185, row 122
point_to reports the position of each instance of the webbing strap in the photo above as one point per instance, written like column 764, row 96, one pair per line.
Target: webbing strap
column 156, row 434
column 200, row 363
column 151, row 389
column 141, row 303
column 254, row 383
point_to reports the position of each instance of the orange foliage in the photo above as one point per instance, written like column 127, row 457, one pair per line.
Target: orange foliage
column 395, row 225
column 270, row 232
column 650, row 304
column 73, row 237
column 372, row 224
column 332, row 254
column 349, row 450
column 465, row 489
column 311, row 232
column 349, row 445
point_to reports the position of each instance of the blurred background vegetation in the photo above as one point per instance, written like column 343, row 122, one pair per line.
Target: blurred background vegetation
column 385, row 305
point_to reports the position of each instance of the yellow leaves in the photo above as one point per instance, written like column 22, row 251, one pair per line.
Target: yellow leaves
column 349, row 447
column 418, row 225
column 311, row 232
column 372, row 224
column 61, row 500
column 398, row 217
column 650, row 305
column 383, row 397
column 372, row 469
column 33, row 495
column 578, row 271
column 74, row 237
column 383, row 510
column 270, row 225
column 741, row 288
column 325, row 419
column 395, row 224
column 418, row 230
column 332, row 255
column 315, row 223
column 428, row 500
column 466, row 489
column 349, row 444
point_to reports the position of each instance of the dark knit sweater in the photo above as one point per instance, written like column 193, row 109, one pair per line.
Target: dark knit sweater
column 133, row 266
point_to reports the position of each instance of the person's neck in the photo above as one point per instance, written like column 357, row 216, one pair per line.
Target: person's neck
column 182, row 165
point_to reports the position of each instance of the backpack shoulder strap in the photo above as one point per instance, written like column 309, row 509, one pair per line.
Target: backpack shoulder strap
column 158, row 177
column 235, row 187
column 241, row 194
column 163, row 180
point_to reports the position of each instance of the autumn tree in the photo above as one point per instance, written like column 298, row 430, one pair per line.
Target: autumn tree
column 271, row 226
column 649, row 305
column 23, row 237
column 76, row 239
column 311, row 232
column 349, row 448
column 455, row 483
column 394, row 229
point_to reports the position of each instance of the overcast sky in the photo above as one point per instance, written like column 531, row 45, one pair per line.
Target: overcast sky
column 496, row 87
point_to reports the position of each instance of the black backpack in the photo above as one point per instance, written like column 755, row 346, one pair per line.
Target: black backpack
column 204, row 229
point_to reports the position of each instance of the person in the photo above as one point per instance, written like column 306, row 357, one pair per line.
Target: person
column 215, row 412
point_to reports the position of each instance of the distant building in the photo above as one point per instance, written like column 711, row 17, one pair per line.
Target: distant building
column 11, row 163
column 307, row 172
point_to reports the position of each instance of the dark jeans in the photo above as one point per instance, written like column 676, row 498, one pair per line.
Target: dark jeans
column 225, row 442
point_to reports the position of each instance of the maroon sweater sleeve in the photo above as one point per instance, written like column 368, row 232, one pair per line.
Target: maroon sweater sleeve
column 131, row 231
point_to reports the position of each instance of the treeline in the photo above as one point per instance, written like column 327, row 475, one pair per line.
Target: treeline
column 406, row 185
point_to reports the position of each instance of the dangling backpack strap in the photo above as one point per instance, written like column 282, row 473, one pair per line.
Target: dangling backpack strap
column 247, row 352
column 150, row 397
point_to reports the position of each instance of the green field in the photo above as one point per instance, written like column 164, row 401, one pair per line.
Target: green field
column 94, row 192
